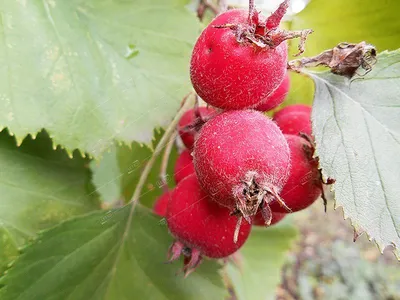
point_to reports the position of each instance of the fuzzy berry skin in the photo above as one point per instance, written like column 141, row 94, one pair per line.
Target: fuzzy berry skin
column 160, row 206
column 277, row 97
column 304, row 184
column 183, row 166
column 229, row 74
column 294, row 119
column 239, row 147
column 259, row 220
column 201, row 224
column 189, row 124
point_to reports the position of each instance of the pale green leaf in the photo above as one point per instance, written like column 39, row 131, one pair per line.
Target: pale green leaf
column 357, row 130
column 376, row 22
column 39, row 188
column 107, row 176
column 94, row 71
column 258, row 271
column 107, row 255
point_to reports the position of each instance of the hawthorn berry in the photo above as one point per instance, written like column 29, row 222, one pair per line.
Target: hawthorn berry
column 304, row 184
column 201, row 226
column 242, row 160
column 277, row 97
column 231, row 68
column 160, row 205
column 183, row 166
column 191, row 122
column 294, row 119
column 260, row 221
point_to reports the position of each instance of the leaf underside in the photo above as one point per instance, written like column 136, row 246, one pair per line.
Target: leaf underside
column 357, row 130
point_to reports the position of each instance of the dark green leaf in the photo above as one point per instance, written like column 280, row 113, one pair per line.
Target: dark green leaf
column 357, row 131
column 107, row 255
column 39, row 188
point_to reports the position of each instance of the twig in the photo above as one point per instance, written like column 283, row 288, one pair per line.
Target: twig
column 203, row 6
column 164, row 161
column 168, row 132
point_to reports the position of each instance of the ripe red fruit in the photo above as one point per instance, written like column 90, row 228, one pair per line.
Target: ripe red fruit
column 200, row 225
column 294, row 119
column 160, row 205
column 191, row 122
column 277, row 97
column 183, row 166
column 242, row 160
column 260, row 221
column 304, row 185
column 231, row 68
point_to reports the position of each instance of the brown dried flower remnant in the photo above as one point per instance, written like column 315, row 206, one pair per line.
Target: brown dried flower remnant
column 344, row 59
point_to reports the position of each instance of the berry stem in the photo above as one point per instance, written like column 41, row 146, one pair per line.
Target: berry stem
column 164, row 140
column 164, row 162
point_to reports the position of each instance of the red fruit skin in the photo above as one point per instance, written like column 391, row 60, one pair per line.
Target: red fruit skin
column 259, row 220
column 294, row 119
column 232, row 75
column 160, row 206
column 277, row 97
column 202, row 224
column 188, row 118
column 183, row 166
column 234, row 143
column 303, row 186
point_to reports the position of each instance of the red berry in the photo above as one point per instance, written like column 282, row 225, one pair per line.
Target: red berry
column 294, row 119
column 191, row 122
column 200, row 225
column 260, row 221
column 229, row 69
column 304, row 185
column 183, row 166
column 242, row 159
column 277, row 97
column 160, row 206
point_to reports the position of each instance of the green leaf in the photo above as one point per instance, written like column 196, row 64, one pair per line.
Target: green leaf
column 39, row 188
column 375, row 22
column 301, row 90
column 258, row 272
column 95, row 70
column 107, row 255
column 117, row 174
column 107, row 176
column 357, row 131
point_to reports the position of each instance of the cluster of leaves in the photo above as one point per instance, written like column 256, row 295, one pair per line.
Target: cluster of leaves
column 100, row 74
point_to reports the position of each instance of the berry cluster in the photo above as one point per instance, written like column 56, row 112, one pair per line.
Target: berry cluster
column 240, row 168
